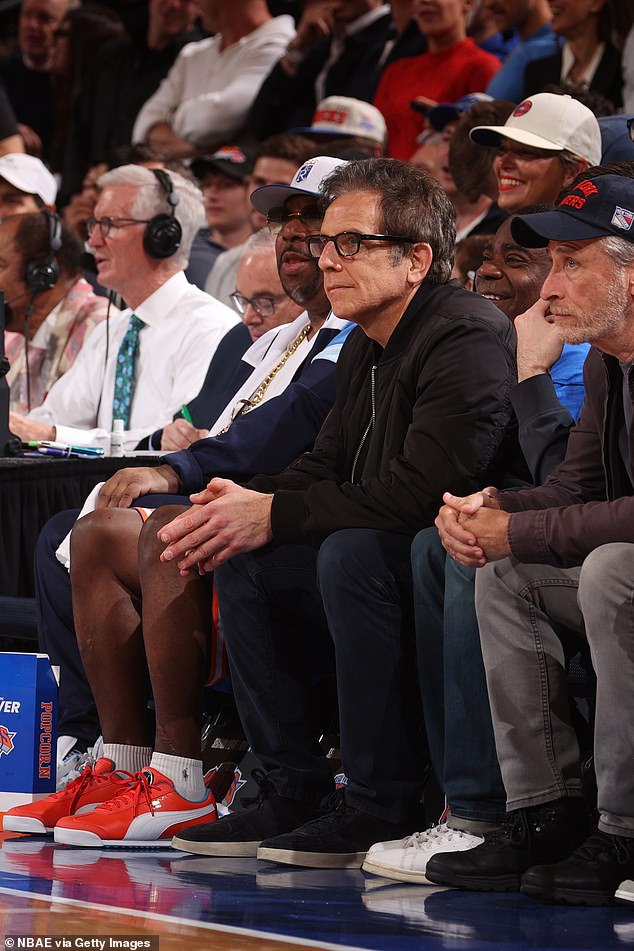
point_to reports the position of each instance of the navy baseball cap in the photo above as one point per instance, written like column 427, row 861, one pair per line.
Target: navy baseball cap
column 439, row 116
column 235, row 161
column 595, row 208
column 616, row 141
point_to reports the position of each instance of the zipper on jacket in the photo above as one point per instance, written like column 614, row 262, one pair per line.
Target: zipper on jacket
column 370, row 425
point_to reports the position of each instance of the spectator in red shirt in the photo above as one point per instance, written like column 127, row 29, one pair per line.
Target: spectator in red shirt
column 452, row 67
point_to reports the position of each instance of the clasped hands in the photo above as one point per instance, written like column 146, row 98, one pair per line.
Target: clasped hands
column 473, row 529
column 224, row 520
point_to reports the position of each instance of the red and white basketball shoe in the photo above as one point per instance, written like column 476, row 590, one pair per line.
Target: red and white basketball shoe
column 94, row 786
column 146, row 813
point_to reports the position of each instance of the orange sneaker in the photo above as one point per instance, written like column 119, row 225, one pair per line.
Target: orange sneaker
column 94, row 786
column 147, row 813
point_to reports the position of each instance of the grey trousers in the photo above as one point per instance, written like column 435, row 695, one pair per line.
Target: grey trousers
column 522, row 610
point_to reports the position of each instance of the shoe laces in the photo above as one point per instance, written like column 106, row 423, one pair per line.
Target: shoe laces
column 513, row 830
column 334, row 812
column 85, row 778
column 516, row 828
column 81, row 761
column 439, row 831
column 266, row 789
column 419, row 840
column 602, row 845
column 139, row 788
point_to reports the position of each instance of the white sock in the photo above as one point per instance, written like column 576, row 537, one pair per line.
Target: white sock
column 186, row 774
column 130, row 758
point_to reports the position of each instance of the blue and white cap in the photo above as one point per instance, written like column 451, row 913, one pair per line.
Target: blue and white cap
column 307, row 181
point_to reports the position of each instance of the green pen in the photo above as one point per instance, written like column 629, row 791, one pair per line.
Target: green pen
column 186, row 415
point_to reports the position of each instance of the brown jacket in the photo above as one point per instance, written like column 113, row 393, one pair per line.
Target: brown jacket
column 588, row 500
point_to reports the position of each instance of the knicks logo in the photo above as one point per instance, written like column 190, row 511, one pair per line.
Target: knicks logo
column 237, row 783
column 6, row 740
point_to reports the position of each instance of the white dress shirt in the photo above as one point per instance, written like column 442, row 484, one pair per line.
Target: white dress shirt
column 183, row 326
column 267, row 354
column 206, row 96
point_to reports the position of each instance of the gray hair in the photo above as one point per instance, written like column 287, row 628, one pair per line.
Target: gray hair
column 259, row 242
column 412, row 204
column 619, row 250
column 151, row 200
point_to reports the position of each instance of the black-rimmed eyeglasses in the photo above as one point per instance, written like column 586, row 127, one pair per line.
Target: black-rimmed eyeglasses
column 347, row 243
column 263, row 304
column 106, row 224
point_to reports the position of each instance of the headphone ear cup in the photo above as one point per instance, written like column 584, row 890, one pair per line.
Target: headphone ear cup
column 162, row 237
column 42, row 275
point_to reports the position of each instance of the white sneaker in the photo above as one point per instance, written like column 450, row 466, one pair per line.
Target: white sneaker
column 405, row 860
column 625, row 891
column 71, row 762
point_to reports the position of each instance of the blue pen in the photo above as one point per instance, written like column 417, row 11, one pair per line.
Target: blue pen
column 50, row 451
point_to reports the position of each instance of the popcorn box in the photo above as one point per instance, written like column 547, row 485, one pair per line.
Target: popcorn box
column 28, row 728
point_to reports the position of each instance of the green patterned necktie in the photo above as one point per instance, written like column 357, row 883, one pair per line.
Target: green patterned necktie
column 124, row 372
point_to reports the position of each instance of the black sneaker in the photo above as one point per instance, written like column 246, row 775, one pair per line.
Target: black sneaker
column 241, row 832
column 590, row 876
column 539, row 834
column 339, row 838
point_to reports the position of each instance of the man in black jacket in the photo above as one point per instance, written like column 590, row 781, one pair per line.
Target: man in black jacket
column 423, row 390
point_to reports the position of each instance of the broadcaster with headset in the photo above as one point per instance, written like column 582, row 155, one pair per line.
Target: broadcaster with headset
column 144, row 364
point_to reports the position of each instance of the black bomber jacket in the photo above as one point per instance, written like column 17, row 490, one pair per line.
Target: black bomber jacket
column 425, row 415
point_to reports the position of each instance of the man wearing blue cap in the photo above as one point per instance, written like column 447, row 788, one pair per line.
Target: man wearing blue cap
column 479, row 216
column 556, row 564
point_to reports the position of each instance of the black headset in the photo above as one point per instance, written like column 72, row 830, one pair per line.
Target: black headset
column 42, row 274
column 163, row 233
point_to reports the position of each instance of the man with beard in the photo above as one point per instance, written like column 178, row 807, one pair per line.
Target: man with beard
column 283, row 424
column 560, row 557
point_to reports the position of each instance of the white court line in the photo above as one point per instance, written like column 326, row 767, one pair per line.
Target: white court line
column 172, row 919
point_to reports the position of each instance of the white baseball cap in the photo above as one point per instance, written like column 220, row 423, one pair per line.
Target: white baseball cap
column 30, row 175
column 548, row 121
column 307, row 181
column 341, row 115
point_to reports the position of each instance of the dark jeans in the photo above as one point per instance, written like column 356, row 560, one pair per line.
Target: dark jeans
column 453, row 683
column 56, row 629
column 284, row 608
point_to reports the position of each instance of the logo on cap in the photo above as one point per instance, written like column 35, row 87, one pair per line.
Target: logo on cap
column 587, row 188
column 523, row 108
column 622, row 218
column 336, row 116
column 304, row 172
column 230, row 153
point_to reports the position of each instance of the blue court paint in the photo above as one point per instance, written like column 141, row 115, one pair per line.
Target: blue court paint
column 337, row 908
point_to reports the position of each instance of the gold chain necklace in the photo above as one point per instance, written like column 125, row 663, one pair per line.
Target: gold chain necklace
column 246, row 405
